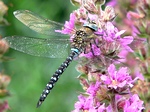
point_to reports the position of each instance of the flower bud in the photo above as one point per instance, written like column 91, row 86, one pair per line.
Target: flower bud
column 100, row 2
column 76, row 2
column 3, row 46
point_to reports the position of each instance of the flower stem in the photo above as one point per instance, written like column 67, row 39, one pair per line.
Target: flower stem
column 113, row 104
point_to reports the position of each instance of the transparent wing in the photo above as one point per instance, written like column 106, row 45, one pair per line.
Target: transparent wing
column 52, row 48
column 38, row 23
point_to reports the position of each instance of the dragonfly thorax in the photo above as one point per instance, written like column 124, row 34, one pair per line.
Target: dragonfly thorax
column 81, row 38
column 78, row 41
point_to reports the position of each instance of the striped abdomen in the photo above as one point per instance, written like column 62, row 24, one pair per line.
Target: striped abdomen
column 56, row 75
column 77, row 46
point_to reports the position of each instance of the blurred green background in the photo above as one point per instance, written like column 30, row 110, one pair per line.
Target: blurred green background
column 30, row 74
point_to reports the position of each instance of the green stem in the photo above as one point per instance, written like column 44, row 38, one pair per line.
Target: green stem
column 113, row 104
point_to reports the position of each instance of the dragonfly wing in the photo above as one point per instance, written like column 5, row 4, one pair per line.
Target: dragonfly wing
column 52, row 48
column 38, row 23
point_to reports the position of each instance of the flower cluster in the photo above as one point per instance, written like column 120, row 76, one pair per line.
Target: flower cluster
column 107, row 94
column 108, row 85
column 137, row 21
column 4, row 79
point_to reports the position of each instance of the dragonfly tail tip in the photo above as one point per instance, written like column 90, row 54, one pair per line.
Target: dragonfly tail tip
column 38, row 104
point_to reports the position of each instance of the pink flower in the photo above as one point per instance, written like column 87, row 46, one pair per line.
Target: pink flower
column 102, row 108
column 96, row 52
column 92, row 90
column 117, row 79
column 69, row 25
column 112, row 3
column 133, row 104
column 4, row 106
column 113, row 35
column 84, row 103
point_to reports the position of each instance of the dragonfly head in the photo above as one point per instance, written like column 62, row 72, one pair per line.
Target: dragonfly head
column 92, row 25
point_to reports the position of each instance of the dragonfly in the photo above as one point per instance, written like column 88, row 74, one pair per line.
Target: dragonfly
column 51, row 47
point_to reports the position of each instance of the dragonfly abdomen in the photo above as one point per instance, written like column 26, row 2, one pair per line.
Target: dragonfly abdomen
column 77, row 47
column 56, row 75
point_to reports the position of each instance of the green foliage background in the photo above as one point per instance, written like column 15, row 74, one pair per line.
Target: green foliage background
column 30, row 74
